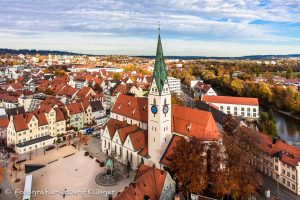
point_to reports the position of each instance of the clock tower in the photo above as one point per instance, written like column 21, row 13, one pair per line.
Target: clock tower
column 159, row 109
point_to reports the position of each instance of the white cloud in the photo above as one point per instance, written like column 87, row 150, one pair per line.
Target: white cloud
column 103, row 25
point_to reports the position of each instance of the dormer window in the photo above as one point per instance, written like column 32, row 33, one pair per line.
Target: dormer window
column 189, row 127
column 119, row 107
column 133, row 112
column 129, row 103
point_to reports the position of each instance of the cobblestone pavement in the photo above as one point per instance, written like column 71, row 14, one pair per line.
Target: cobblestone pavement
column 6, row 189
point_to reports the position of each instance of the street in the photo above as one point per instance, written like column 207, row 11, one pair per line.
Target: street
column 284, row 194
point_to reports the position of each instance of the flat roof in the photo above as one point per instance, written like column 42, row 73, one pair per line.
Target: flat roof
column 36, row 140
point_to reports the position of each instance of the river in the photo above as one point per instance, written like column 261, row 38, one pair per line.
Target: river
column 288, row 128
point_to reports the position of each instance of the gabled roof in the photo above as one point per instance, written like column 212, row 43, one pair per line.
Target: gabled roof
column 148, row 181
column 138, row 139
column 166, row 158
column 230, row 100
column 276, row 147
column 59, row 114
column 218, row 115
column 125, row 131
column 193, row 122
column 4, row 122
column 74, row 108
column 113, row 125
column 83, row 92
column 132, row 107
column 41, row 117
column 96, row 106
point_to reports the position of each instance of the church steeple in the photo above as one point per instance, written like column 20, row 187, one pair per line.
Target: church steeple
column 160, row 72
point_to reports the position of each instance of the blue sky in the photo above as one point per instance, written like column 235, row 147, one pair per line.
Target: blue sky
column 188, row 27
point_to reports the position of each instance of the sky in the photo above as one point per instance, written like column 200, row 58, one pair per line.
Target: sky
column 130, row 27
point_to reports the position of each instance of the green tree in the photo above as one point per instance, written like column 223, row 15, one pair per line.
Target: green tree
column 116, row 76
column 289, row 73
column 266, row 124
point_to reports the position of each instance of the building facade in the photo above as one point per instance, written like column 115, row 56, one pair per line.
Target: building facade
column 247, row 108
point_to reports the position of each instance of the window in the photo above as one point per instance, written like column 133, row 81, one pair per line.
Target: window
column 293, row 177
column 254, row 109
column 283, row 171
column 288, row 183
column 276, row 167
column 235, row 108
column 283, row 180
column 243, row 109
column 288, row 174
column 221, row 107
column 293, row 186
column 248, row 109
column 228, row 108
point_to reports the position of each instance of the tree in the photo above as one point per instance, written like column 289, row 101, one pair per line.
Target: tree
column 1, row 174
column 116, row 76
column 85, row 139
column 289, row 73
column 266, row 124
column 176, row 100
column 189, row 165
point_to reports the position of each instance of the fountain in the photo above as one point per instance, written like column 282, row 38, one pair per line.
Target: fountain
column 109, row 177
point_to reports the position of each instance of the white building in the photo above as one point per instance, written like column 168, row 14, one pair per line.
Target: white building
column 244, row 107
column 174, row 85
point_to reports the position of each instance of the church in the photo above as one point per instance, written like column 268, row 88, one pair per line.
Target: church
column 145, row 130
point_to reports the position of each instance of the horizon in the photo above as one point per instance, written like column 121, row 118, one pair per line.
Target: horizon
column 216, row 28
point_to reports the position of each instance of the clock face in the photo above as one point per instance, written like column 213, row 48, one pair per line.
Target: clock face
column 165, row 109
column 154, row 109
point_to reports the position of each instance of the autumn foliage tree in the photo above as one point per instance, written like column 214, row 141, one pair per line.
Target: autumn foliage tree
column 217, row 169
column 1, row 173
column 192, row 163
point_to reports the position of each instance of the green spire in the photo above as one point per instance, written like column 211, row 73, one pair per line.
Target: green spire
column 160, row 73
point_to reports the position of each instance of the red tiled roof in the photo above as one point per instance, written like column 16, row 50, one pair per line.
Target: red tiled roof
column 138, row 139
column 132, row 107
column 59, row 115
column 74, row 108
column 148, row 181
column 41, row 117
column 286, row 153
column 114, row 125
column 52, row 101
column 230, row 100
column 4, row 122
column 123, row 132
column 83, row 92
column 193, row 122
column 165, row 160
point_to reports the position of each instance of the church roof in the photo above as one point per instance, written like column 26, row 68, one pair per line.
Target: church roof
column 132, row 107
column 148, row 181
column 194, row 123
column 160, row 73
column 185, row 121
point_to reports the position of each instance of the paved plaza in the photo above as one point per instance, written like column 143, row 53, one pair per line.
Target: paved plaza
column 69, row 174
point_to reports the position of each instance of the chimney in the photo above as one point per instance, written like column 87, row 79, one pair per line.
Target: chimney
column 274, row 140
column 146, row 197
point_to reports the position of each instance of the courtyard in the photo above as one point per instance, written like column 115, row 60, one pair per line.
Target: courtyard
column 70, row 174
